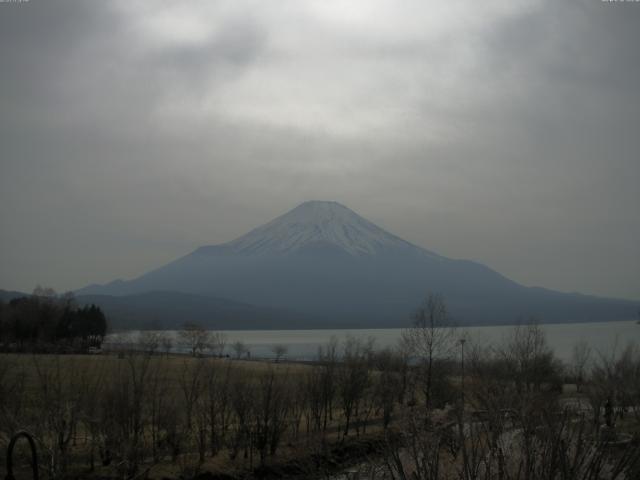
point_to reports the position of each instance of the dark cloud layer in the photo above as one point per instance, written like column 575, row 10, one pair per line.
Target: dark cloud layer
column 132, row 132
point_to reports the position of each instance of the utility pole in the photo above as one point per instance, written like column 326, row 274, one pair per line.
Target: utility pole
column 463, row 445
column 462, row 342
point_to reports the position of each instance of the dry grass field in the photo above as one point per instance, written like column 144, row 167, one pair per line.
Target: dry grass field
column 170, row 415
column 130, row 415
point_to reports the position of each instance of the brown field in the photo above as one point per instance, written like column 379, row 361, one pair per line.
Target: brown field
column 147, row 415
column 46, row 391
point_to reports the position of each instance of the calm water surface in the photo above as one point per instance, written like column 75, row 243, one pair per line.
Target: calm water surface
column 303, row 344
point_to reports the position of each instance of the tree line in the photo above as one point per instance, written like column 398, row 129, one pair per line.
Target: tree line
column 46, row 321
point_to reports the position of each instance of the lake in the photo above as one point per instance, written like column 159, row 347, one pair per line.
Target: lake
column 303, row 344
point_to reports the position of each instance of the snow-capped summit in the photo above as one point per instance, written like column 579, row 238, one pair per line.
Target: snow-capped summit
column 318, row 224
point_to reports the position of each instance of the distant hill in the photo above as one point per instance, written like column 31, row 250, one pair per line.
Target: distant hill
column 170, row 310
column 337, row 270
column 8, row 295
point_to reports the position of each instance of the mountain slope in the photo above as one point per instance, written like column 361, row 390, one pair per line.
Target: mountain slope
column 170, row 310
column 327, row 262
column 8, row 295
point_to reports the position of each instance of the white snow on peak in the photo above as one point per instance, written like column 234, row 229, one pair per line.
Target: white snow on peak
column 318, row 223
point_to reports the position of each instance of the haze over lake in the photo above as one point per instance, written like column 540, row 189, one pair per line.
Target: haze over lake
column 602, row 337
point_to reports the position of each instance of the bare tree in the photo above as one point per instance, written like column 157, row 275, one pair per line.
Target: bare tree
column 580, row 357
column 149, row 341
column 166, row 341
column 353, row 378
column 58, row 403
column 387, row 384
column 242, row 394
column 195, row 338
column 218, row 408
column 217, row 343
column 328, row 359
column 270, row 413
column 616, row 378
column 298, row 404
column 315, row 404
column 123, row 410
column 90, row 415
column 417, row 452
column 530, row 358
column 12, row 397
column 191, row 384
column 279, row 351
column 402, row 354
column 239, row 348
column 44, row 292
column 431, row 338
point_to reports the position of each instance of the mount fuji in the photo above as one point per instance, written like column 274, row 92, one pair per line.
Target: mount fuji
column 323, row 265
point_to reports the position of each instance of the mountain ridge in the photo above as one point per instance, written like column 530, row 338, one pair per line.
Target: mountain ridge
column 159, row 310
column 328, row 263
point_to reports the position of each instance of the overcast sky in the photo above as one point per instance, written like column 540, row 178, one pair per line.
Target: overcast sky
column 506, row 132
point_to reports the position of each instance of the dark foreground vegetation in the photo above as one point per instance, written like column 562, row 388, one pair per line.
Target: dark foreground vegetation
column 47, row 322
column 435, row 407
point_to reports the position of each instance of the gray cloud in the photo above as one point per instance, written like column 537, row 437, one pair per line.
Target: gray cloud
column 132, row 132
